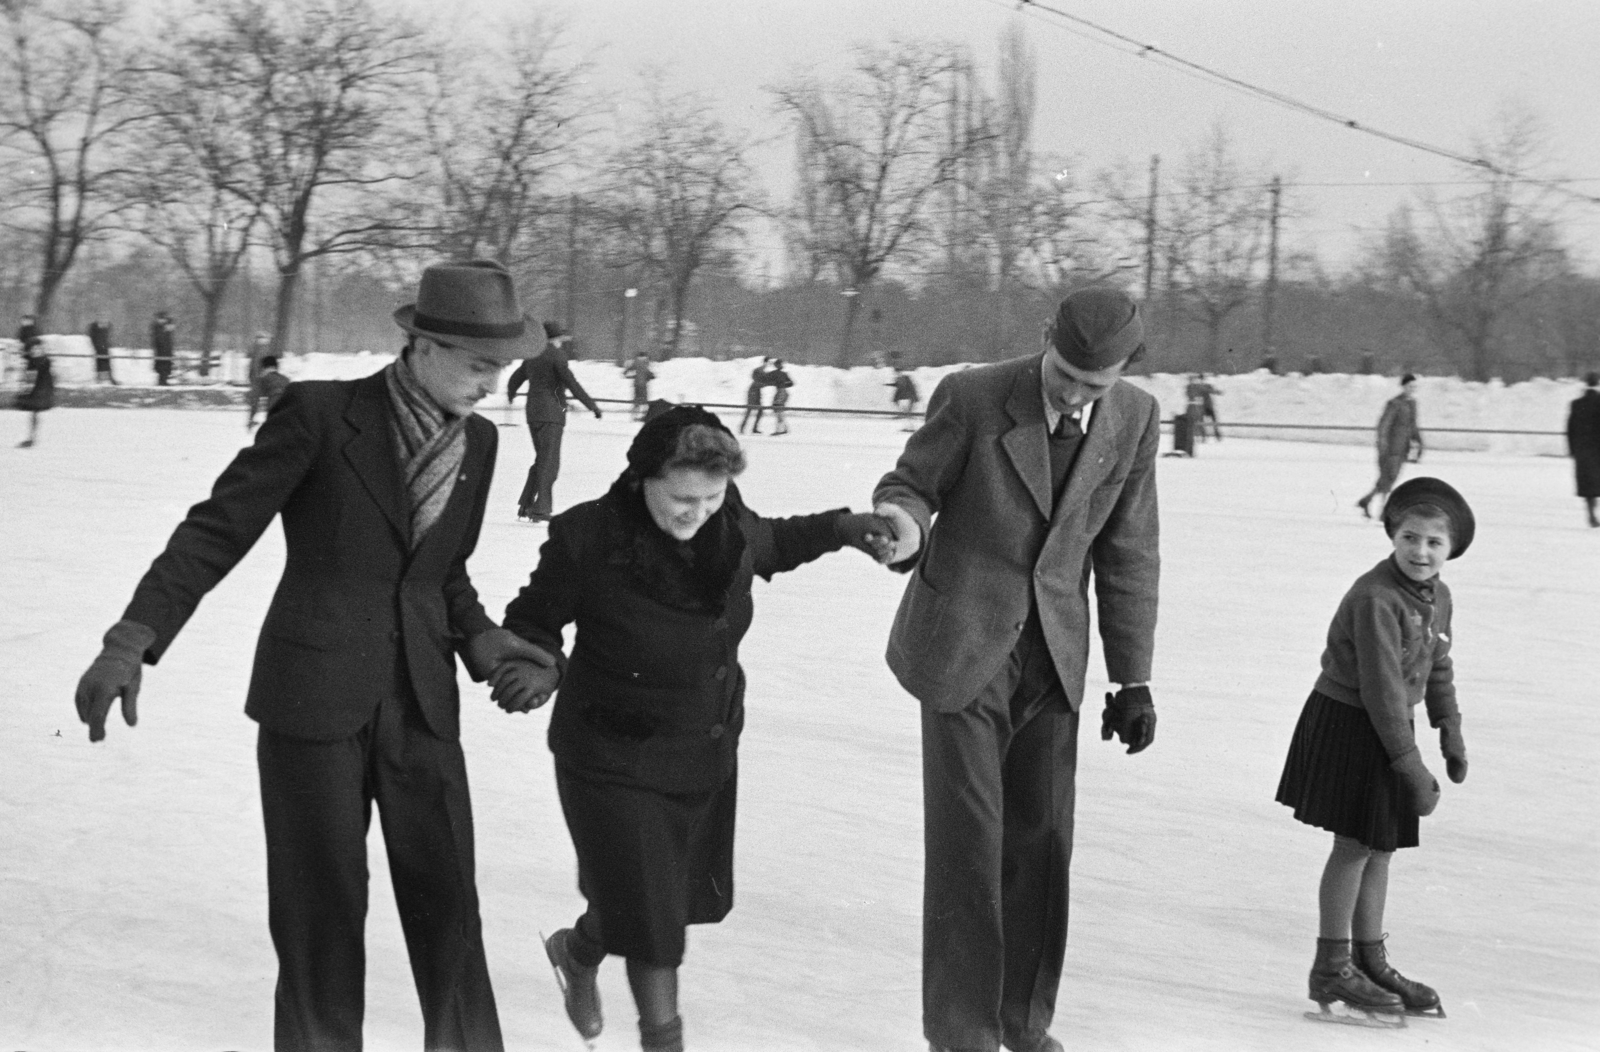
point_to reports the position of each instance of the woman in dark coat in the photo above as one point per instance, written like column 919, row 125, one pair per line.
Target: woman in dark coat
column 656, row 574
column 42, row 395
column 1583, row 442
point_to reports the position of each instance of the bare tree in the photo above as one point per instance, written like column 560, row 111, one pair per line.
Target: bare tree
column 193, row 177
column 677, row 191
column 1472, row 261
column 880, row 149
column 1213, row 239
column 325, row 89
column 503, row 116
column 67, row 114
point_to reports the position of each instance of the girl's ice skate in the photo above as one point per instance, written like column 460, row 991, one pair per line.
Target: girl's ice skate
column 1336, row 981
column 1418, row 998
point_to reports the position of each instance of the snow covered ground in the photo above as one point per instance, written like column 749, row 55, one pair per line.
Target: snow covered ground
column 132, row 876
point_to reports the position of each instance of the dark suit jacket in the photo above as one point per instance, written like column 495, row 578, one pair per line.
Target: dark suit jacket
column 976, row 477
column 1583, row 441
column 354, row 606
column 549, row 378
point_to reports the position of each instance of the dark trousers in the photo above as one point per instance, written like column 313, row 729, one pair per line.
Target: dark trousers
column 538, row 493
column 998, row 793
column 163, row 367
column 317, row 800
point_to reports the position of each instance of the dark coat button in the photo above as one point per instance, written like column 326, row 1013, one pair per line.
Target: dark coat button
column 722, row 671
column 716, row 731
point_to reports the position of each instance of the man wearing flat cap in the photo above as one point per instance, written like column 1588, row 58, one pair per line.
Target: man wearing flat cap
column 1027, row 477
column 381, row 485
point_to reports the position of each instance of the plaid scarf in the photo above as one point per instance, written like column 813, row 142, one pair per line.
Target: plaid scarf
column 431, row 445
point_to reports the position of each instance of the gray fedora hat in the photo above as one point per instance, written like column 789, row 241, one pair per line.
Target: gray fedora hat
column 472, row 305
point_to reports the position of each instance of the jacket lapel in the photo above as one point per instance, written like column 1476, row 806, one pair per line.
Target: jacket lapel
column 1026, row 443
column 371, row 451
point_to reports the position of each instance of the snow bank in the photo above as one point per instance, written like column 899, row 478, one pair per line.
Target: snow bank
column 1350, row 403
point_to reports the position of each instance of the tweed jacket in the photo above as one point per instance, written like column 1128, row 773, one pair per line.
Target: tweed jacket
column 976, row 478
column 355, row 607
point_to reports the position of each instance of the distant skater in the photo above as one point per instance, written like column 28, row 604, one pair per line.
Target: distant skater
column 1202, row 395
column 42, row 395
column 1583, row 442
column 267, row 387
column 100, row 340
column 639, row 372
column 1354, row 767
column 780, row 382
column 163, row 335
column 549, row 379
column 759, row 378
column 906, row 397
column 656, row 576
column 1398, row 439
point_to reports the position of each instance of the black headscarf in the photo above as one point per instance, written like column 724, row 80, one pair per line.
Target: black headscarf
column 689, row 575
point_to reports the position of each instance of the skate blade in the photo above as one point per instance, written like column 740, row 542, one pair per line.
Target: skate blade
column 1436, row 1012
column 1350, row 1015
column 561, row 984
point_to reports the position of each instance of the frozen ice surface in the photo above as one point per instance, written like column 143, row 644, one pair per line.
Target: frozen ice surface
column 132, row 875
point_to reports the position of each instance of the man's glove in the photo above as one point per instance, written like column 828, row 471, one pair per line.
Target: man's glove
column 522, row 686
column 1130, row 714
column 905, row 533
column 489, row 648
column 114, row 674
column 872, row 534
column 597, row 414
column 1417, row 783
column 1454, row 748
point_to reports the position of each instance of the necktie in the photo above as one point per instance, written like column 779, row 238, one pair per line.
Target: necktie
column 1068, row 427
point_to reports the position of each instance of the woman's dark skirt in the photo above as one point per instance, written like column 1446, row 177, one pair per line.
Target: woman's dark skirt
column 649, row 863
column 1337, row 777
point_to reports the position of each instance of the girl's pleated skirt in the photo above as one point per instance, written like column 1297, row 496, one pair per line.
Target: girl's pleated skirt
column 1337, row 777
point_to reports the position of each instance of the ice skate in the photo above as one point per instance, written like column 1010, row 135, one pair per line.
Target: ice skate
column 1418, row 998
column 1336, row 981
column 578, row 988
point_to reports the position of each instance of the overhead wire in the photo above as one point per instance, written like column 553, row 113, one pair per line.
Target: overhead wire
column 1108, row 37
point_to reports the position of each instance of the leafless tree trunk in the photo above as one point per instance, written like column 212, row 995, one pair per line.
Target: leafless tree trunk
column 677, row 191
column 68, row 111
column 1480, row 256
column 881, row 149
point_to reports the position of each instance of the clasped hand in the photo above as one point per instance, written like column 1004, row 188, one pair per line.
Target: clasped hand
column 870, row 533
column 522, row 686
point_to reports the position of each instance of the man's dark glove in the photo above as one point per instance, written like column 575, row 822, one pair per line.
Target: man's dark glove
column 489, row 648
column 872, row 534
column 522, row 686
column 114, row 674
column 597, row 414
column 1130, row 714
column 1454, row 748
column 1417, row 783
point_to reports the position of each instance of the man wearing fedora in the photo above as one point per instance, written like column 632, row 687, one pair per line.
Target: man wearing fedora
column 549, row 378
column 381, row 483
column 1027, row 477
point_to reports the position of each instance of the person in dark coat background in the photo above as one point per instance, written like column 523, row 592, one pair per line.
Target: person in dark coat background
column 639, row 372
column 780, row 381
column 42, row 395
column 1583, row 442
column 549, row 378
column 656, row 575
column 162, row 336
column 1399, row 440
column 381, row 484
column 760, row 377
column 100, row 340
column 28, row 331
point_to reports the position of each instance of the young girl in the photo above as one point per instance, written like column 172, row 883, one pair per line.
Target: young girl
column 1354, row 767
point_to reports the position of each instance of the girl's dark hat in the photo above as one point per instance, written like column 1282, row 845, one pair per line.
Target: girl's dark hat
column 472, row 305
column 1441, row 494
column 1096, row 328
column 657, row 440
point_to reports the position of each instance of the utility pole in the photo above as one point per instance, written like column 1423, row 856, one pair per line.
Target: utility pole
column 1150, row 229
column 1269, row 306
column 572, row 265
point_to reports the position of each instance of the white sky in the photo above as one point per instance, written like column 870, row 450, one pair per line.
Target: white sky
column 1431, row 70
